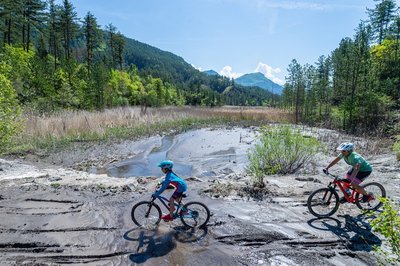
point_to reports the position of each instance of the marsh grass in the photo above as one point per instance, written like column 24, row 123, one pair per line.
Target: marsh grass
column 47, row 132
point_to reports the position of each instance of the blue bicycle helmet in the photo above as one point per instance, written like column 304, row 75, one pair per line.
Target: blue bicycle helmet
column 166, row 164
column 346, row 146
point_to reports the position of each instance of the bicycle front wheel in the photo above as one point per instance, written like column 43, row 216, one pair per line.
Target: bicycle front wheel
column 195, row 214
column 377, row 190
column 323, row 202
column 146, row 213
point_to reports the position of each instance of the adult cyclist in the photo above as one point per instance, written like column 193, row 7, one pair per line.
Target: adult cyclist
column 359, row 171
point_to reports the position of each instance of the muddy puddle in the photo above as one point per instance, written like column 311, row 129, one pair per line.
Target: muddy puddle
column 200, row 153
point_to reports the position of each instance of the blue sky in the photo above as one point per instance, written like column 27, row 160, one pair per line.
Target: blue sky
column 234, row 37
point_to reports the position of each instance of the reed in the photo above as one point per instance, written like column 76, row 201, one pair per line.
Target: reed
column 58, row 130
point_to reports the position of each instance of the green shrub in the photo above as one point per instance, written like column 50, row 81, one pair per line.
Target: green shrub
column 55, row 185
column 281, row 150
column 387, row 223
column 396, row 148
column 9, row 112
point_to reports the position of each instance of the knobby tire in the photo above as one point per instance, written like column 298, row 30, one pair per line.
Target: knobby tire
column 195, row 214
column 378, row 191
column 323, row 202
column 140, row 210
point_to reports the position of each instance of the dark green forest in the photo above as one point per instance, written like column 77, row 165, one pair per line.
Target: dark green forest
column 55, row 60
column 357, row 87
column 52, row 60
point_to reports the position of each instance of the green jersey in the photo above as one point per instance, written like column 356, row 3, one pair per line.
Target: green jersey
column 355, row 158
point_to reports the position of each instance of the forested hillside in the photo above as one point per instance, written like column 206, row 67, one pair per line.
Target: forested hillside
column 50, row 60
column 357, row 86
column 55, row 60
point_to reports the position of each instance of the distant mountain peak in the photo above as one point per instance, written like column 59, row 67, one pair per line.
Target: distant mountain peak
column 210, row 72
column 258, row 79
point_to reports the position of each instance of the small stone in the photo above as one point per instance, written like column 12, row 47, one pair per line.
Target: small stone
column 54, row 178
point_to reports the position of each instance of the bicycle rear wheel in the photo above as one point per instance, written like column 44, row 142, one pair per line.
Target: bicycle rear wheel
column 146, row 213
column 195, row 214
column 323, row 202
column 373, row 204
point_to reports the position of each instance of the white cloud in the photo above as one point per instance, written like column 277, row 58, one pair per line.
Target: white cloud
column 265, row 69
column 198, row 68
column 227, row 71
column 269, row 72
column 306, row 5
column 293, row 5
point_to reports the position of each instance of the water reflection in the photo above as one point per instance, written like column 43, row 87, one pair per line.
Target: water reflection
column 147, row 165
column 200, row 153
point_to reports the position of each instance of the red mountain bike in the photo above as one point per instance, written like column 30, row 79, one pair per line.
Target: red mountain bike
column 324, row 202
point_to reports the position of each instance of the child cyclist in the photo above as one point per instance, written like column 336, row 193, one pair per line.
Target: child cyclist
column 170, row 179
column 360, row 170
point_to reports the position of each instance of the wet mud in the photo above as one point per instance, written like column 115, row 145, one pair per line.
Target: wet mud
column 57, row 216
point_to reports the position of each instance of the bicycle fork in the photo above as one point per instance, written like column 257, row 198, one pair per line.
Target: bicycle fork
column 148, row 210
column 328, row 196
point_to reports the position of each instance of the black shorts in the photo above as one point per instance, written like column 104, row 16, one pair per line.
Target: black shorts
column 177, row 195
column 360, row 177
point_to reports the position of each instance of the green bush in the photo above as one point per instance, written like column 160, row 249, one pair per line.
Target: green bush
column 55, row 185
column 281, row 150
column 387, row 223
column 396, row 148
column 9, row 112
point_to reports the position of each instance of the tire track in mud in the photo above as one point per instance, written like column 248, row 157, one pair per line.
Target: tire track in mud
column 50, row 207
column 26, row 241
column 78, row 229
column 261, row 242
column 51, row 200
column 251, row 239
column 272, row 246
column 30, row 247
column 47, row 256
column 263, row 239
column 43, row 213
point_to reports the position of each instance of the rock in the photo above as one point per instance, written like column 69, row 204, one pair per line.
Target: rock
column 54, row 179
column 193, row 178
column 310, row 179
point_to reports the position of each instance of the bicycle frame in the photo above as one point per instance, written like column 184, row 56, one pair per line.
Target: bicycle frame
column 343, row 185
column 193, row 214
column 165, row 202
column 325, row 201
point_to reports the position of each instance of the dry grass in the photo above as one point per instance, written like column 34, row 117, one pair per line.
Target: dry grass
column 366, row 145
column 75, row 123
column 59, row 130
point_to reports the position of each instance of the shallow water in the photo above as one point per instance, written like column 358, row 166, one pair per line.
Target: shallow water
column 203, row 153
column 145, row 165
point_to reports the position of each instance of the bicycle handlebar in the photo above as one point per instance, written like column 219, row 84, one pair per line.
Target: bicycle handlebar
column 329, row 174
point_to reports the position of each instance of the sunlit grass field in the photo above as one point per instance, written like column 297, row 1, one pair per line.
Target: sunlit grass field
column 59, row 130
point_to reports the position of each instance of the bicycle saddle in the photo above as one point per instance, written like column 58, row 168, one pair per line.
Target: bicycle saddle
column 343, row 179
